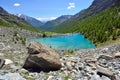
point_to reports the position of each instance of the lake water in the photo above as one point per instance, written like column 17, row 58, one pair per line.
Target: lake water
column 67, row 42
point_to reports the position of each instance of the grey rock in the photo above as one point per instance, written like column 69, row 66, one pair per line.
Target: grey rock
column 42, row 57
column 51, row 78
column 106, row 57
column 34, row 75
column 105, row 78
column 95, row 77
column 104, row 71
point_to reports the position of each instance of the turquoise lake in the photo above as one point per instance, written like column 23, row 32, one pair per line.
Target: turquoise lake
column 67, row 42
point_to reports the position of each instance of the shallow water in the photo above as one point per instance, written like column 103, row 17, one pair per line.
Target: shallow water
column 67, row 42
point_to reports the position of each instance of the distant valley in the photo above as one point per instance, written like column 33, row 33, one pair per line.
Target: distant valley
column 50, row 25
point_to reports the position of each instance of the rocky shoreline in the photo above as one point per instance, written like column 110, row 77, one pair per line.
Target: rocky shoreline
column 84, row 64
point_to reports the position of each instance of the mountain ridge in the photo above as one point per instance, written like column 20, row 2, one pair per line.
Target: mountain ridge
column 34, row 22
column 51, row 24
column 9, row 20
column 94, row 8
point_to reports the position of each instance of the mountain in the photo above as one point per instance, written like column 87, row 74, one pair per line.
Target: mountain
column 96, row 7
column 9, row 20
column 78, row 14
column 51, row 24
column 34, row 22
column 99, row 23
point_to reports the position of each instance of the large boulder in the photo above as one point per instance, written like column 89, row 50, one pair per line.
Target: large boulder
column 42, row 57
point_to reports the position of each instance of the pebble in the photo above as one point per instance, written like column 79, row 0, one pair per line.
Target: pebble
column 51, row 78
column 8, row 61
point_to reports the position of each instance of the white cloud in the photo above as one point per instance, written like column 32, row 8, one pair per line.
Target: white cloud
column 16, row 4
column 71, row 5
column 46, row 19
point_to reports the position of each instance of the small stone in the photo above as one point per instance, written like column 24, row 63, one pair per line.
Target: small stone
column 104, row 50
column 95, row 77
column 62, row 64
column 105, row 78
column 8, row 61
column 24, row 71
column 1, row 54
column 50, row 78
column 68, row 64
column 34, row 75
column 106, row 57
column 117, row 54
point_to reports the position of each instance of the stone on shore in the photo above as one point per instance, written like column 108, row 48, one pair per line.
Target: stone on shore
column 42, row 57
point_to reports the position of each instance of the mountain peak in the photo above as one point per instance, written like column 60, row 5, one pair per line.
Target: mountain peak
column 9, row 20
column 18, row 15
column 31, row 20
column 2, row 11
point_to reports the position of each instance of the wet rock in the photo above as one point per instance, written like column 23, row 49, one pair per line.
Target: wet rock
column 42, row 57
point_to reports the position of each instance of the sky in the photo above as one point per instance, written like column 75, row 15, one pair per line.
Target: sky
column 45, row 10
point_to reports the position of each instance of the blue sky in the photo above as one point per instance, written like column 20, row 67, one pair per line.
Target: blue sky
column 45, row 9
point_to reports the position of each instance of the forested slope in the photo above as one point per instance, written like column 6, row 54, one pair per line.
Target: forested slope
column 99, row 27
